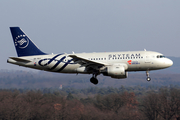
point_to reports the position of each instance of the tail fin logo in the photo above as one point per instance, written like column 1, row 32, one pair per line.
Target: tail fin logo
column 21, row 41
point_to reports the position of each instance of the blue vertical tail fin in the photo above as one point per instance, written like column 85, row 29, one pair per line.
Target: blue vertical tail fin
column 24, row 46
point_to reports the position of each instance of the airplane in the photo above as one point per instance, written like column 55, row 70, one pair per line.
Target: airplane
column 112, row 64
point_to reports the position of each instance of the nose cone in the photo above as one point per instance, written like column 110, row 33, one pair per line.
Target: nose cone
column 169, row 62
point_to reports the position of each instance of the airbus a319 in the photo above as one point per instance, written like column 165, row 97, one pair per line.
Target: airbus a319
column 113, row 64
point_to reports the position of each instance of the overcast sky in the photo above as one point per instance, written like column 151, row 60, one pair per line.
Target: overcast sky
column 58, row 26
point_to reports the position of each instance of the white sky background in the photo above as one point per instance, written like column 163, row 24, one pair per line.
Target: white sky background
column 58, row 26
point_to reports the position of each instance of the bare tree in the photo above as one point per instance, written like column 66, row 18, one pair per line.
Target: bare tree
column 149, row 106
column 169, row 103
column 123, row 105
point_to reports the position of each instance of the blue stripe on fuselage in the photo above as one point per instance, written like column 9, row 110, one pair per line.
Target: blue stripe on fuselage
column 64, row 65
column 50, row 60
column 55, row 66
column 59, row 61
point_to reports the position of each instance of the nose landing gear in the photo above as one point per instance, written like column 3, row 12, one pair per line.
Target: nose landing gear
column 147, row 74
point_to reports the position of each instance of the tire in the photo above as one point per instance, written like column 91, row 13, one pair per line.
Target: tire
column 94, row 80
column 148, row 79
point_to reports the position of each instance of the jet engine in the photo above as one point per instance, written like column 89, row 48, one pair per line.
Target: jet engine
column 115, row 71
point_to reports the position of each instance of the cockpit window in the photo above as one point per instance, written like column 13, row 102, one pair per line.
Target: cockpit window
column 160, row 56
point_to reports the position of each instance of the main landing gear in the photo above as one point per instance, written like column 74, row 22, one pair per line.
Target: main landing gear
column 94, row 80
column 147, row 74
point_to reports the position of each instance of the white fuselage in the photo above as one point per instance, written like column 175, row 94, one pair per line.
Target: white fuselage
column 131, row 60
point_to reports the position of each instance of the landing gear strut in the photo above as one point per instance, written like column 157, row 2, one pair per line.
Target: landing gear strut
column 147, row 74
column 94, row 80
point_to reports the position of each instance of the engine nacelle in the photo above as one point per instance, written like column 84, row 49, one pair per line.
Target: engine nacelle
column 115, row 71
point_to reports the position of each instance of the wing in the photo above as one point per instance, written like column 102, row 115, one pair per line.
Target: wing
column 86, row 62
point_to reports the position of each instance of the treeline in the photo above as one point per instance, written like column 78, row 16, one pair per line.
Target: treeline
column 137, row 90
column 161, row 104
column 42, row 79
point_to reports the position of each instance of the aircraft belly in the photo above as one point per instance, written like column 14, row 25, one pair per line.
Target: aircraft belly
column 136, row 68
column 70, row 68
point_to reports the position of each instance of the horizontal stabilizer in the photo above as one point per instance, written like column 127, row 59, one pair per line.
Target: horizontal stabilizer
column 20, row 59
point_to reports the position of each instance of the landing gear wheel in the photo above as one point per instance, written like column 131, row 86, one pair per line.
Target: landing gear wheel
column 148, row 79
column 94, row 80
column 147, row 74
